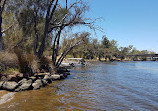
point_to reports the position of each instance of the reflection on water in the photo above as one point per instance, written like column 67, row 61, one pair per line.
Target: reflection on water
column 120, row 86
column 6, row 97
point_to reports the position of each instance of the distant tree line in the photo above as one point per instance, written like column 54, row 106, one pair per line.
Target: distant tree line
column 105, row 49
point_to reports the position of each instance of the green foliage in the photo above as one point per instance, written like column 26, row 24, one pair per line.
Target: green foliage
column 25, row 20
column 13, row 33
column 59, row 15
column 105, row 42
column 107, row 49
column 22, row 16
column 11, row 71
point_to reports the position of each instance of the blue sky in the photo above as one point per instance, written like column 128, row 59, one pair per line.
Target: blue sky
column 130, row 22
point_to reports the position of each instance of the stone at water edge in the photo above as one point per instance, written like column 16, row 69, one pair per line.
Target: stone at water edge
column 10, row 86
column 62, row 70
column 42, row 74
column 22, row 81
column 68, row 73
column 26, row 85
column 37, row 84
column 55, row 77
column 1, row 84
column 44, row 82
column 47, row 78
column 33, row 78
column 75, row 77
column 62, row 76
column 4, row 78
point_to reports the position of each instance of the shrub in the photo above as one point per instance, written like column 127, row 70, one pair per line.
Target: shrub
column 7, row 61
column 45, row 64
column 28, row 63
column 11, row 71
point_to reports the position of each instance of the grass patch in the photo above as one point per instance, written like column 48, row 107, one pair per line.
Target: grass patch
column 11, row 71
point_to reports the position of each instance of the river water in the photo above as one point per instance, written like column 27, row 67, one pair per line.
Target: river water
column 117, row 86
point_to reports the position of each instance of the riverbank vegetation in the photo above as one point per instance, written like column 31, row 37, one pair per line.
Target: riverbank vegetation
column 32, row 30
column 35, row 37
column 103, row 50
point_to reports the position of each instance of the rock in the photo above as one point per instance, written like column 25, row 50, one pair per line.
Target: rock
column 20, row 75
column 15, row 77
column 55, row 77
column 22, row 81
column 68, row 73
column 37, row 84
column 62, row 70
column 44, row 82
column 1, row 84
column 43, row 74
column 4, row 78
column 65, row 75
column 33, row 78
column 62, row 76
column 17, row 82
column 10, row 86
column 12, row 77
column 75, row 77
column 25, row 85
column 47, row 78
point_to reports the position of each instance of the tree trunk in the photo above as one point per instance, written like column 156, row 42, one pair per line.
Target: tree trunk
column 49, row 17
column 66, row 52
column 56, row 47
column 66, row 4
column 42, row 46
column 99, row 58
column 1, row 37
column 36, row 32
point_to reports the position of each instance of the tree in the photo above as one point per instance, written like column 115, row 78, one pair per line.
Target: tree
column 114, row 48
column 68, row 18
column 95, row 44
column 123, row 51
column 135, row 51
column 13, row 32
column 2, row 6
column 105, row 42
column 56, row 19
column 71, row 45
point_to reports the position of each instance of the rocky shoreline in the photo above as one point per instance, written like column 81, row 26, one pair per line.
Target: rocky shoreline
column 34, row 82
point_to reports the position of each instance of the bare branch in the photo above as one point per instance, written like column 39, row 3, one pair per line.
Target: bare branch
column 66, row 51
column 74, row 4
column 16, row 45
column 5, row 30
column 49, row 8
column 53, row 10
column 75, row 23
column 3, row 5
